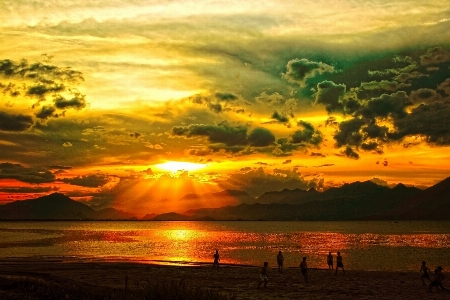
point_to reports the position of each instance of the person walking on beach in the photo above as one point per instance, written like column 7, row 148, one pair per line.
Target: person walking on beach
column 304, row 269
column 330, row 261
column 339, row 263
column 437, row 280
column 280, row 260
column 425, row 272
column 263, row 275
column 216, row 260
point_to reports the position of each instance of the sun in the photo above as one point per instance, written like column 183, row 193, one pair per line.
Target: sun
column 175, row 166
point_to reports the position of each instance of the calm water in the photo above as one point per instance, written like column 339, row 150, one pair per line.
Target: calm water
column 364, row 245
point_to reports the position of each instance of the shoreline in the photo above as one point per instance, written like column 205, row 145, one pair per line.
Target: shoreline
column 233, row 279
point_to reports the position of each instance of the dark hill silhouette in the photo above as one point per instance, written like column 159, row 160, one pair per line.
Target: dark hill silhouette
column 56, row 206
column 296, row 196
column 432, row 204
column 171, row 216
column 226, row 196
column 352, row 201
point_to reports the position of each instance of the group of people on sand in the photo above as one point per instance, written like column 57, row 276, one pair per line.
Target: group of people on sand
column 303, row 267
column 437, row 275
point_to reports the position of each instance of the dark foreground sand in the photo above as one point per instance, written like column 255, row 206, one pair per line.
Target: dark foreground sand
column 239, row 280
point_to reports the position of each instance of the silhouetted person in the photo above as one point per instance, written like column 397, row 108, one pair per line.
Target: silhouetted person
column 304, row 269
column 330, row 261
column 280, row 260
column 425, row 272
column 216, row 259
column 263, row 275
column 437, row 280
column 339, row 263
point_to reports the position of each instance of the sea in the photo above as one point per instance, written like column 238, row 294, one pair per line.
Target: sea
column 364, row 245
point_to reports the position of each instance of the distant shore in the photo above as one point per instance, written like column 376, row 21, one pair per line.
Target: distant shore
column 240, row 281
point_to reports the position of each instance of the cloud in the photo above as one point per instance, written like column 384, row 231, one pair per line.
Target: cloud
column 329, row 94
column 221, row 133
column 431, row 121
column 317, row 154
column 67, row 144
column 46, row 112
column 299, row 70
column 13, row 122
column 226, row 96
column 257, row 181
column 28, row 190
column 350, row 153
column 24, row 174
column 261, row 137
column 78, row 101
column 279, row 117
column 90, row 180
column 309, row 135
column 436, row 55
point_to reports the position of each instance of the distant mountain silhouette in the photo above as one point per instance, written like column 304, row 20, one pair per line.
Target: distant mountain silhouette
column 353, row 201
column 226, row 196
column 432, row 204
column 56, row 206
column 171, row 216
column 296, row 196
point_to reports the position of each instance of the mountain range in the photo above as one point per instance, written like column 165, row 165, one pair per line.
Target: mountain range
column 353, row 201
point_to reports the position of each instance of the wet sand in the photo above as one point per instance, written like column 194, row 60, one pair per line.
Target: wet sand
column 239, row 280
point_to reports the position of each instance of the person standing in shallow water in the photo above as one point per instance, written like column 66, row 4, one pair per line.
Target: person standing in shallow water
column 280, row 260
column 339, row 263
column 330, row 261
column 216, row 259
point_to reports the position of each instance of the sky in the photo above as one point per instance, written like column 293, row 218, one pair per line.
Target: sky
column 135, row 104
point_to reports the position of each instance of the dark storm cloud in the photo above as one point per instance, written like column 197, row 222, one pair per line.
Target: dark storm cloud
column 393, row 105
column 40, row 72
column 40, row 90
column 24, row 174
column 317, row 154
column 135, row 135
column 226, row 96
column 308, row 135
column 424, row 96
column 348, row 132
column 46, row 112
column 77, row 102
column 221, row 133
column 28, row 190
column 261, row 137
column 375, row 88
column 329, row 94
column 299, row 70
column 45, row 82
column 445, row 86
column 91, row 180
column 12, row 122
column 280, row 118
column 431, row 121
column 60, row 167
column 349, row 152
column 215, row 107
column 257, row 181
column 435, row 55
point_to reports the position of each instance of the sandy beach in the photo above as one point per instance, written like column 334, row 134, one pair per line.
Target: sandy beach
column 238, row 280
